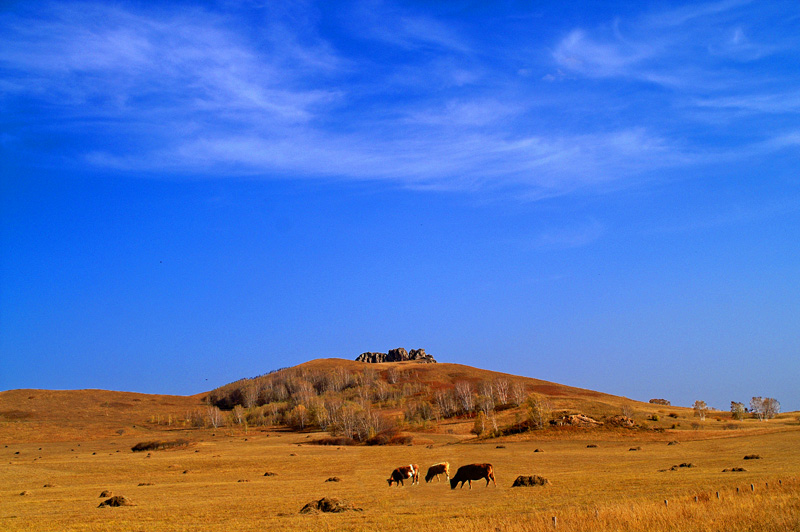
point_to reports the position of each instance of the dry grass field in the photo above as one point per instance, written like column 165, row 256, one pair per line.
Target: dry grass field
column 54, row 467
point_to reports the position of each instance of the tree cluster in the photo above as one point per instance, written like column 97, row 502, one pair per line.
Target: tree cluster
column 353, row 404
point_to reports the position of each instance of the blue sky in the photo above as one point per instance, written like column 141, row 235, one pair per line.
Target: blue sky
column 604, row 195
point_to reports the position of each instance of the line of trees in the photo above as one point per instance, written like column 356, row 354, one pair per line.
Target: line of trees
column 353, row 405
column 760, row 407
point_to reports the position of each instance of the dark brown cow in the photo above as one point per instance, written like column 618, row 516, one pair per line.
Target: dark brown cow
column 405, row 472
column 437, row 469
column 468, row 473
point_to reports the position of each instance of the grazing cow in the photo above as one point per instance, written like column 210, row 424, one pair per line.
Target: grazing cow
column 437, row 469
column 405, row 472
column 468, row 473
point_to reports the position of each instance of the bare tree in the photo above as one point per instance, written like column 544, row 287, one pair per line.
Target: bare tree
column 501, row 388
column 318, row 414
column 368, row 377
column 274, row 413
column 486, row 388
column 700, row 409
column 446, row 403
column 214, row 416
column 771, row 407
column 764, row 407
column 298, row 417
column 345, row 421
column 627, row 410
column 485, row 404
column 381, row 391
column 465, row 396
column 250, row 394
column 518, row 393
column 238, row 414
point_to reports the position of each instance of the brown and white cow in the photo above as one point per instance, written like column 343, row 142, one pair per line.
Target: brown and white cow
column 437, row 469
column 405, row 472
column 468, row 473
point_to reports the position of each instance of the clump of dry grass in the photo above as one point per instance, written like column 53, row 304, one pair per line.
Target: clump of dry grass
column 159, row 445
column 116, row 501
column 390, row 437
column 334, row 440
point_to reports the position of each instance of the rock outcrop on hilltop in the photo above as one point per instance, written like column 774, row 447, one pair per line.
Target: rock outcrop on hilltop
column 396, row 355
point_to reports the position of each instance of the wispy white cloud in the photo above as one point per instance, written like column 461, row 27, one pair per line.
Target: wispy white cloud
column 120, row 62
column 443, row 160
column 755, row 103
column 406, row 29
column 580, row 53
column 692, row 12
column 681, row 49
column 198, row 91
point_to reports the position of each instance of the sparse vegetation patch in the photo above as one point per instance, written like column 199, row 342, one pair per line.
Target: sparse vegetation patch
column 159, row 445
column 529, row 480
column 329, row 505
column 115, row 501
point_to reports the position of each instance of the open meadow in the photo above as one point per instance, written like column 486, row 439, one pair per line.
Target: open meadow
column 217, row 481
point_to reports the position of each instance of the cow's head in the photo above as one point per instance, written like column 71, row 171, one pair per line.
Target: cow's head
column 453, row 483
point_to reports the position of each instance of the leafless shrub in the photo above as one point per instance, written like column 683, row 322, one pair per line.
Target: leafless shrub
column 334, row 440
column 390, row 437
column 298, row 417
column 539, row 410
column 660, row 402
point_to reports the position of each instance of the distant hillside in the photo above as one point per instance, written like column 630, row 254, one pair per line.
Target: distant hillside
column 59, row 415
column 359, row 400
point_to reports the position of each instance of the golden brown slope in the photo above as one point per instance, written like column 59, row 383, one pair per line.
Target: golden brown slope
column 60, row 415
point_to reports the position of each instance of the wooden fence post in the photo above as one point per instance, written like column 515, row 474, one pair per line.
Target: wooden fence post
column 555, row 522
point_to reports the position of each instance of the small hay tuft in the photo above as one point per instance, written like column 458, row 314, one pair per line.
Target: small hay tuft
column 115, row 501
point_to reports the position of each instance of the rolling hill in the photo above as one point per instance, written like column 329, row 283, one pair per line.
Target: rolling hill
column 404, row 391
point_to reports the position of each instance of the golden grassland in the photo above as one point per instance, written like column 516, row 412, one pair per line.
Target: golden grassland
column 217, row 483
column 60, row 449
